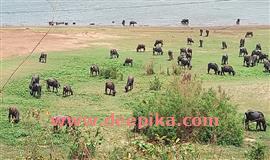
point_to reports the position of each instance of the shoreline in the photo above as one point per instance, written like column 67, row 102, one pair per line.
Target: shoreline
column 259, row 26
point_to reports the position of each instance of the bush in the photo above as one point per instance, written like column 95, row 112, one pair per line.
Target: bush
column 257, row 152
column 141, row 149
column 155, row 84
column 85, row 145
column 149, row 69
column 188, row 99
column 112, row 70
column 176, row 69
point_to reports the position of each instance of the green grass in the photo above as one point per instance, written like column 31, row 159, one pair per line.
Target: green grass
column 249, row 88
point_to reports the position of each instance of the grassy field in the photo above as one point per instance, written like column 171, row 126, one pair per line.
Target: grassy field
column 248, row 89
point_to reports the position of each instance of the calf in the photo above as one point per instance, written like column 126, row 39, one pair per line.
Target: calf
column 13, row 115
column 128, row 61
column 110, row 85
column 129, row 85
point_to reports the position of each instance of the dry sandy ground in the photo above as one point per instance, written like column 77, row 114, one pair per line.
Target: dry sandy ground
column 18, row 41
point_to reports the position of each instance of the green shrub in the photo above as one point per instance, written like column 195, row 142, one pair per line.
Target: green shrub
column 155, row 84
column 149, row 69
column 112, row 70
column 85, row 145
column 188, row 99
column 257, row 152
column 176, row 69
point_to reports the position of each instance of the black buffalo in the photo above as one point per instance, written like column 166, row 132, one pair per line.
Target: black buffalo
column 34, row 79
column 227, row 68
column 67, row 90
column 249, row 34
column 132, row 23
column 184, row 62
column 237, row 21
column 190, row 41
column 128, row 61
column 258, row 46
column 158, row 42
column 170, row 54
column 255, row 116
column 207, row 33
column 114, row 53
column 213, row 66
column 123, row 23
column 13, row 115
column 110, row 85
column 157, row 51
column 201, row 43
column 243, row 51
column 201, row 32
column 35, row 89
column 224, row 59
column 266, row 65
column 43, row 57
column 94, row 69
column 185, row 21
column 263, row 57
column 140, row 47
column 129, row 85
column 242, row 43
column 224, row 45
column 52, row 83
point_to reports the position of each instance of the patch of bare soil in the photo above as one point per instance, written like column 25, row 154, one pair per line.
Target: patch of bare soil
column 22, row 41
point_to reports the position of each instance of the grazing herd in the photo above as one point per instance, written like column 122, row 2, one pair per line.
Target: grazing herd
column 183, row 60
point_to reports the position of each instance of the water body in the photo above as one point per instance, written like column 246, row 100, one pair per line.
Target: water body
column 145, row 12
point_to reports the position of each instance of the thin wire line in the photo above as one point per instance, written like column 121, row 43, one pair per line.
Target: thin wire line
column 31, row 53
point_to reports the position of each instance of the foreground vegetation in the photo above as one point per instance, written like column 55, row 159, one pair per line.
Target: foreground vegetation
column 33, row 136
